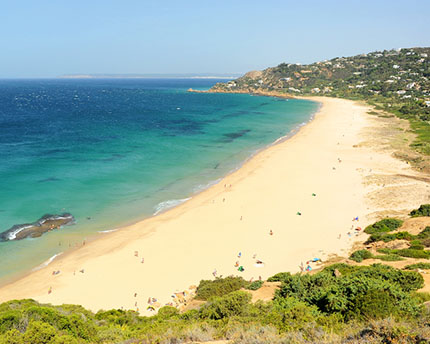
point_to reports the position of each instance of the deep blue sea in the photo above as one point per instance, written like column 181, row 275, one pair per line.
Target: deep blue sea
column 114, row 151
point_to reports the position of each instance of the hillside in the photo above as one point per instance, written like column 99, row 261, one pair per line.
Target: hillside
column 397, row 81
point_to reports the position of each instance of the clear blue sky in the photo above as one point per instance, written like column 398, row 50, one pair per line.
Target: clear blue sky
column 47, row 38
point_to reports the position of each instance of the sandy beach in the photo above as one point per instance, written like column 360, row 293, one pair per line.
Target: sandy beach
column 306, row 190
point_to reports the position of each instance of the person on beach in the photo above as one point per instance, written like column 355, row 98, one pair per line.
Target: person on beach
column 143, row 260
column 136, row 253
column 239, row 255
column 236, row 264
column 214, row 273
column 50, row 290
column 271, row 232
column 241, row 218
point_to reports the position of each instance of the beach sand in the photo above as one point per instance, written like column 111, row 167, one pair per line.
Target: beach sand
column 186, row 244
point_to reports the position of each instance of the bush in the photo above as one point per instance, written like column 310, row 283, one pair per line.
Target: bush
column 39, row 332
column 233, row 304
column 416, row 247
column 255, row 285
column 290, row 314
column 386, row 225
column 423, row 210
column 423, row 266
column 360, row 255
column 280, row 277
column 389, row 257
column 421, row 296
column 219, row 287
column 411, row 253
column 358, row 287
column 424, row 234
column 167, row 312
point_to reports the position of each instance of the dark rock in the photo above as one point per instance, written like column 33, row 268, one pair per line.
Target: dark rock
column 36, row 229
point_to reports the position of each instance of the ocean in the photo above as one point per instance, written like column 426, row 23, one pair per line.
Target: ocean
column 115, row 151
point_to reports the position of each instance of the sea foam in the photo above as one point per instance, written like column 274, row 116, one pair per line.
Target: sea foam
column 47, row 262
column 163, row 206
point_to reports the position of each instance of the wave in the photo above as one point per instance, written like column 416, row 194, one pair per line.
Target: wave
column 15, row 231
column 108, row 230
column 49, row 261
column 202, row 187
column 163, row 206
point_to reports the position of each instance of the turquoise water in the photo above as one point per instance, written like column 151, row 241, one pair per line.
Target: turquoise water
column 112, row 152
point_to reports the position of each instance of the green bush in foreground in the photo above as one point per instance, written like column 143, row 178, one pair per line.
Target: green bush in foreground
column 385, row 225
column 423, row 210
column 317, row 308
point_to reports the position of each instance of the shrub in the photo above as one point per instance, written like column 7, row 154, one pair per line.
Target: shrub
column 233, row 304
column 423, row 210
column 280, row 277
column 424, row 234
column 385, row 250
column 39, row 332
column 351, row 294
column 360, row 255
column 167, row 312
column 426, row 242
column 9, row 320
column 421, row 296
column 219, row 287
column 255, row 285
column 423, row 266
column 389, row 257
column 416, row 247
column 290, row 314
column 411, row 253
column 385, row 225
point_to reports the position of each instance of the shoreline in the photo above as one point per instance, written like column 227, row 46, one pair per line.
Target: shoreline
column 138, row 219
column 113, row 274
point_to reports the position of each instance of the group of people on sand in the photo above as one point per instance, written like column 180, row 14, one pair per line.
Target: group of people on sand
column 308, row 267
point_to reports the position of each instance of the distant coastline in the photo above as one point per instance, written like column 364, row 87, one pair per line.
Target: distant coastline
column 149, row 76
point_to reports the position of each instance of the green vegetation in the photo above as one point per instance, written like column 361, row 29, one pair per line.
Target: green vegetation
column 360, row 255
column 423, row 266
column 255, row 285
column 219, row 287
column 395, row 81
column 383, row 226
column 334, row 304
column 423, row 210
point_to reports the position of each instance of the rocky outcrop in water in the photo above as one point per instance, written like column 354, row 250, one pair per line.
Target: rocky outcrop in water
column 33, row 230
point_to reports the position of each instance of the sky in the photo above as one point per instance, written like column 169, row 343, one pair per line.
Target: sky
column 49, row 38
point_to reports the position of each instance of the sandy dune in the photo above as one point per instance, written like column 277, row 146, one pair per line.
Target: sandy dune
column 187, row 243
